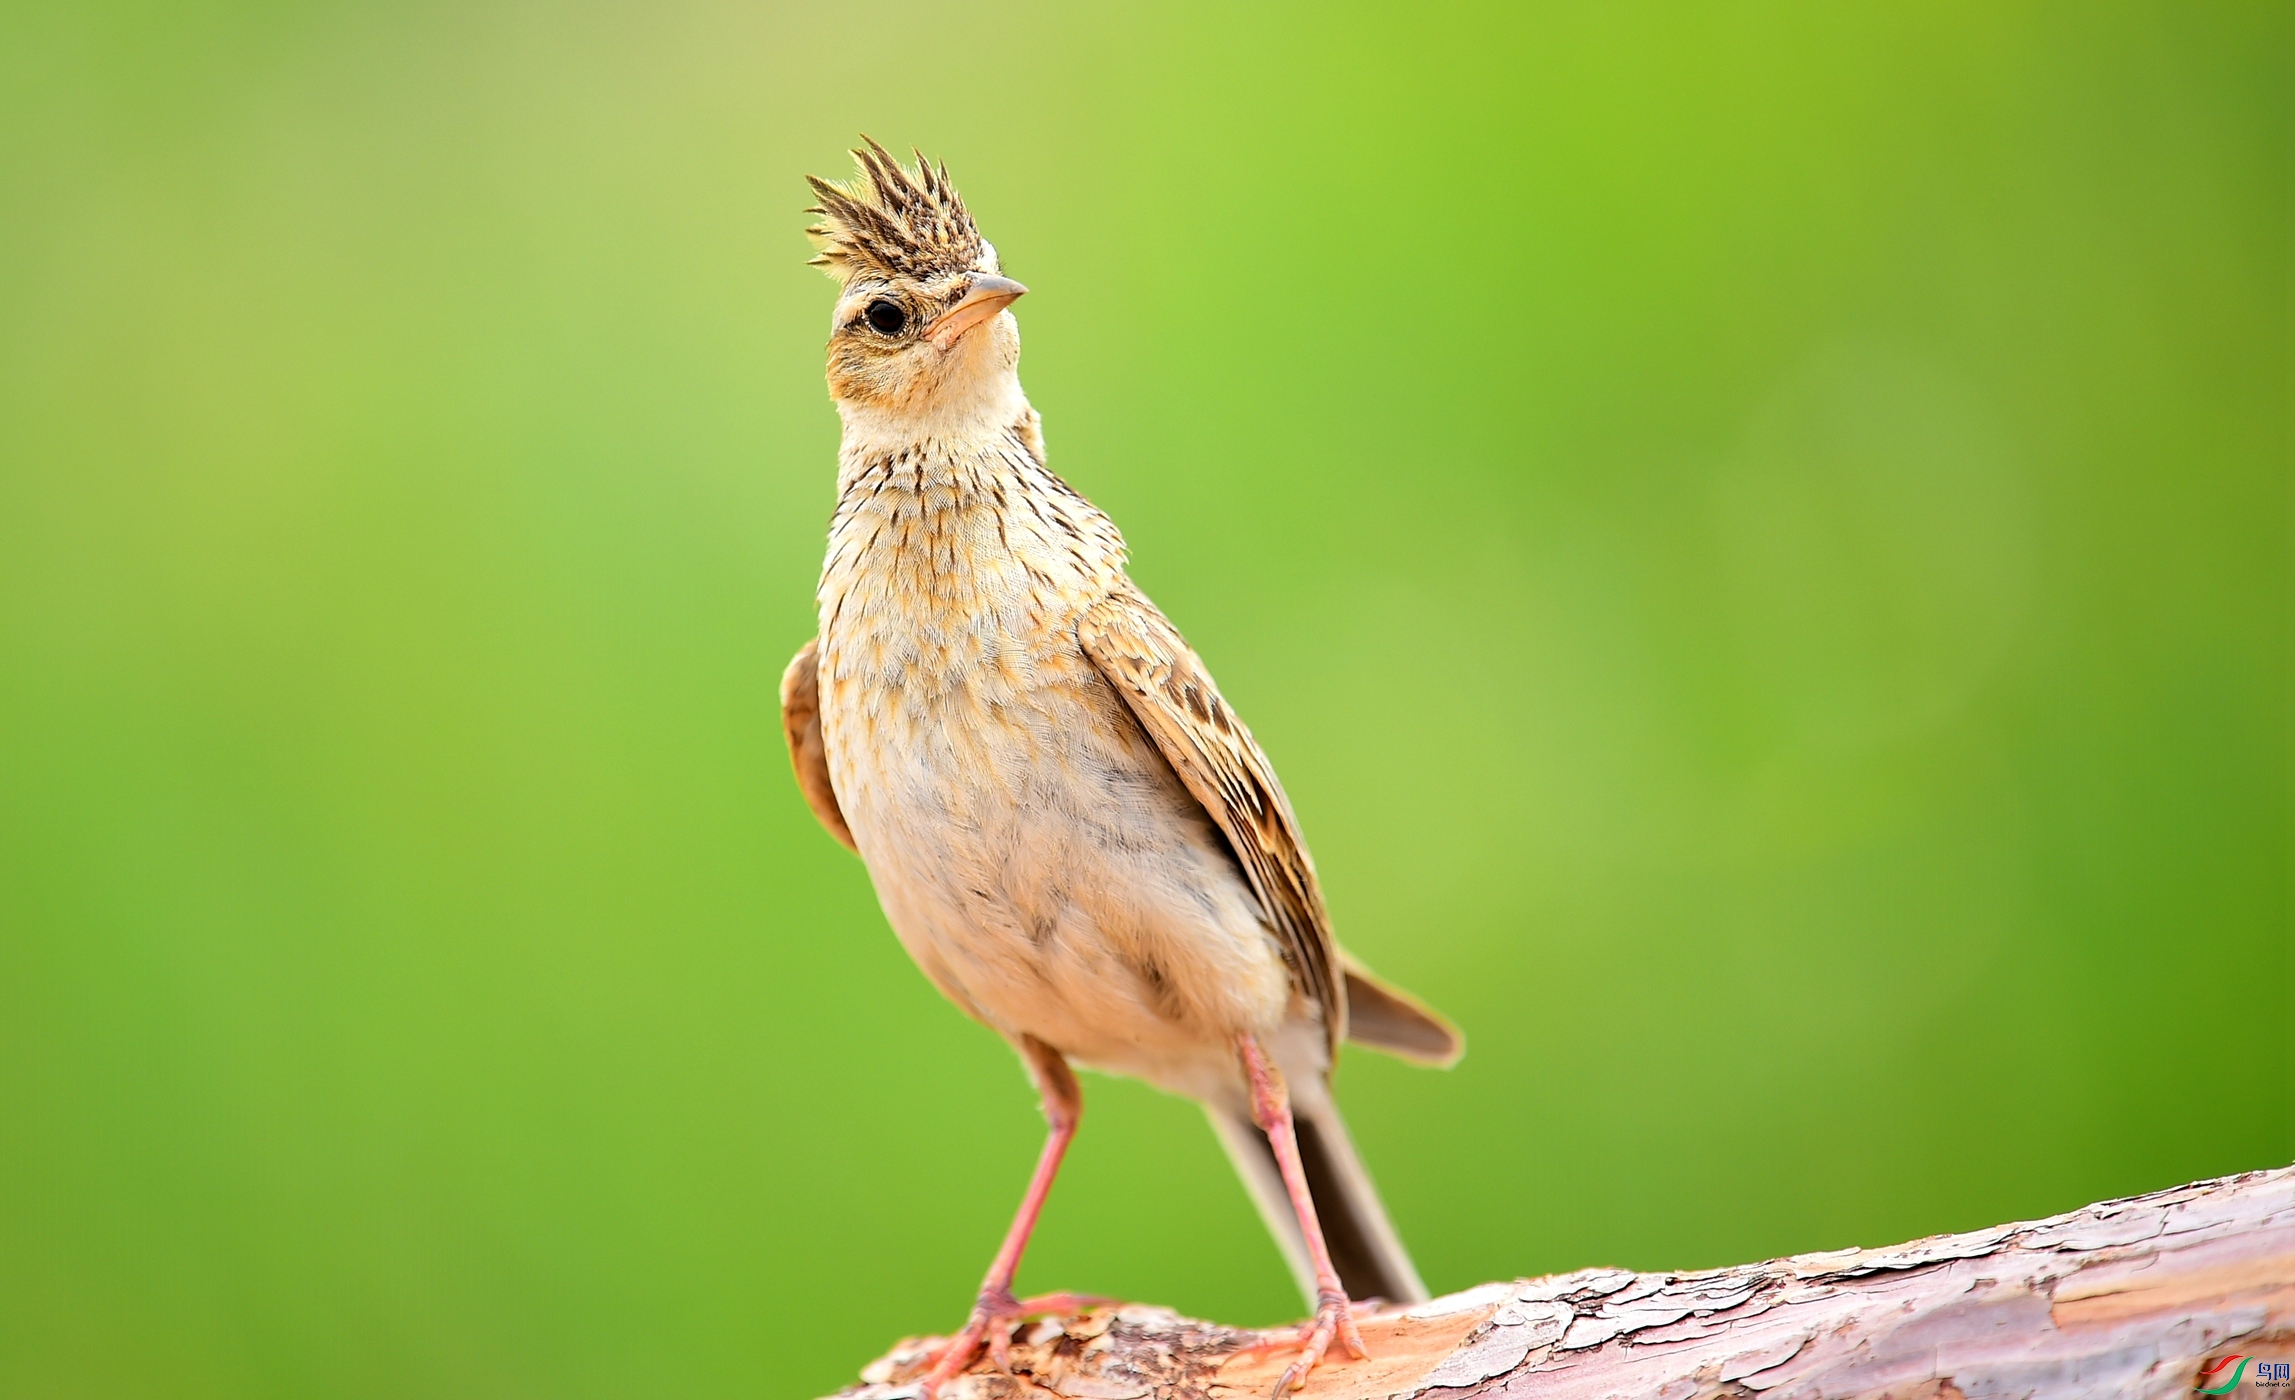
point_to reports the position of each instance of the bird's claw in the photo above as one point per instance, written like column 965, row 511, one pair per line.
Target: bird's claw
column 1334, row 1320
column 990, row 1329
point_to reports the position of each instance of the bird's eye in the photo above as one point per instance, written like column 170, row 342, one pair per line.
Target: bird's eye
column 886, row 317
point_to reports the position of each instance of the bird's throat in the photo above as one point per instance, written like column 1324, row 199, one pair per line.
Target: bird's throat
column 968, row 414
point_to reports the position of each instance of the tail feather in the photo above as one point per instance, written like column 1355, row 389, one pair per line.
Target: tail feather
column 1369, row 1256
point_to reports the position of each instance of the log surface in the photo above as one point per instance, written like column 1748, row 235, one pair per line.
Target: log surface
column 2125, row 1298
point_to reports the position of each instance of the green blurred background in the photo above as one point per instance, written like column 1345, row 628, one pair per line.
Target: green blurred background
column 1758, row 537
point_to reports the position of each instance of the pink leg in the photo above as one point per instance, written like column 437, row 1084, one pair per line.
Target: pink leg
column 996, row 1309
column 1333, row 1320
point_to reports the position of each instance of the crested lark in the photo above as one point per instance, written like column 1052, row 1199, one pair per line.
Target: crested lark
column 1070, row 831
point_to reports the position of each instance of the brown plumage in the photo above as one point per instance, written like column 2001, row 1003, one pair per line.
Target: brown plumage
column 801, row 724
column 1165, row 684
column 892, row 222
column 1071, row 831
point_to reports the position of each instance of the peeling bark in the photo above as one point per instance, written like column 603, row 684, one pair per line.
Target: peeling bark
column 2122, row 1299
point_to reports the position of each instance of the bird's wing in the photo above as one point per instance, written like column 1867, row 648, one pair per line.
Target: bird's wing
column 1165, row 683
column 1385, row 1017
column 801, row 721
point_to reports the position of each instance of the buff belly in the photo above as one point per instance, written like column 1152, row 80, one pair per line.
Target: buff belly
column 1047, row 870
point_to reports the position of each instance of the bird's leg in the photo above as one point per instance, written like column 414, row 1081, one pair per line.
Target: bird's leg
column 1334, row 1320
column 994, row 1312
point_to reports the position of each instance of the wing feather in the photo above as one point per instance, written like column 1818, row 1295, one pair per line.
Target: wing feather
column 1385, row 1017
column 1167, row 687
column 801, row 721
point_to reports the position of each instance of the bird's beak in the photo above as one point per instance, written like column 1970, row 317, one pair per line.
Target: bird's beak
column 986, row 297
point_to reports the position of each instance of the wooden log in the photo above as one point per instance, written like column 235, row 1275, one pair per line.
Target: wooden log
column 2126, row 1298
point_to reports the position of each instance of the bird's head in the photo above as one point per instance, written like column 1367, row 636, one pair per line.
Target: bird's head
column 921, row 324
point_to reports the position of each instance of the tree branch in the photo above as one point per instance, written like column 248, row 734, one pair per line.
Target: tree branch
column 2122, row 1299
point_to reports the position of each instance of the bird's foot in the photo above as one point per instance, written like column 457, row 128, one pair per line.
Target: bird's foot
column 990, row 1329
column 1334, row 1320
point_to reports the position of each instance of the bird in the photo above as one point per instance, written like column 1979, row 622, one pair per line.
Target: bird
column 1068, row 827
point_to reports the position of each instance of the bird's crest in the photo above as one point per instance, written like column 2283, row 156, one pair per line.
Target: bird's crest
column 892, row 222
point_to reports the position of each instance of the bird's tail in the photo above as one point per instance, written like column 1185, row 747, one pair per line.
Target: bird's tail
column 1369, row 1256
